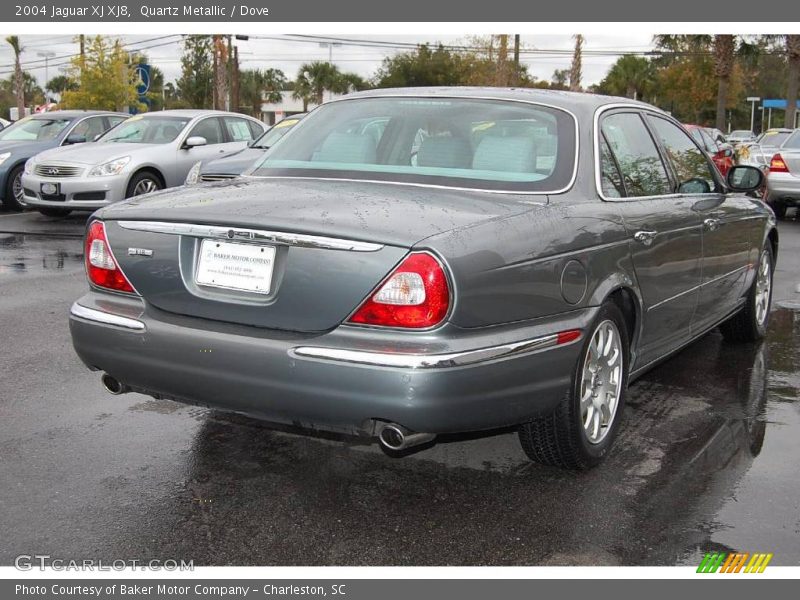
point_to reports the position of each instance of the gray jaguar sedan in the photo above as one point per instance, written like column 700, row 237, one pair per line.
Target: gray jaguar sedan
column 416, row 262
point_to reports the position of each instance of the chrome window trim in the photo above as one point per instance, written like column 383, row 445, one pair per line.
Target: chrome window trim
column 251, row 235
column 598, row 177
column 427, row 361
column 563, row 190
column 99, row 316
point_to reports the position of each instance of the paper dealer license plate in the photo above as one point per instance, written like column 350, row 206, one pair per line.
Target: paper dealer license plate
column 232, row 266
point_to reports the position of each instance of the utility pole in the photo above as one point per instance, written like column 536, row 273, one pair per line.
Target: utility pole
column 516, row 59
column 82, row 42
column 502, row 59
column 235, row 83
column 47, row 56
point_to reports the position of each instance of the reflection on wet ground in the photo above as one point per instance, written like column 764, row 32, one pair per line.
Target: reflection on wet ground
column 22, row 253
column 706, row 460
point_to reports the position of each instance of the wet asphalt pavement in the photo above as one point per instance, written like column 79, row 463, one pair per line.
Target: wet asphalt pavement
column 707, row 459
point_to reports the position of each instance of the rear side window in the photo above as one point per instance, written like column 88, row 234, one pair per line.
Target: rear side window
column 637, row 155
column 691, row 165
column 238, row 129
column 611, row 179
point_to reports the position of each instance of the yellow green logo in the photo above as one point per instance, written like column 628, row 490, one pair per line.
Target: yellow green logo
column 735, row 562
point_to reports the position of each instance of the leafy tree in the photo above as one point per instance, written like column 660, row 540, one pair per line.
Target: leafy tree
column 195, row 85
column 560, row 79
column 631, row 76
column 16, row 46
column 423, row 67
column 107, row 79
column 60, row 84
column 259, row 86
column 314, row 79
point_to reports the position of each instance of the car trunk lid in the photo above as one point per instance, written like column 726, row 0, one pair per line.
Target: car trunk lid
column 328, row 244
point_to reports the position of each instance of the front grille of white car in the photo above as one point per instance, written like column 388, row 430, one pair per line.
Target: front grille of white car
column 45, row 170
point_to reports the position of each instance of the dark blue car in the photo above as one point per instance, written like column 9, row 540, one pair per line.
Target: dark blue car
column 37, row 133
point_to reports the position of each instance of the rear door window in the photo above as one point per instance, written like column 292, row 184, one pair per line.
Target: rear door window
column 637, row 155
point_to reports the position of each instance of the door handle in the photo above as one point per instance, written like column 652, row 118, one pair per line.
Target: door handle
column 712, row 224
column 645, row 237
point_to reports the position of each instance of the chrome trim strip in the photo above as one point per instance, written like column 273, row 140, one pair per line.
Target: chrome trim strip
column 426, row 361
column 251, row 235
column 697, row 287
column 349, row 98
column 99, row 316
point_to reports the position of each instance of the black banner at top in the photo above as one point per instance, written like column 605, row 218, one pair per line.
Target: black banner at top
column 253, row 11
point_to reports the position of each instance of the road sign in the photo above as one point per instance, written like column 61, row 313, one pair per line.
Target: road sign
column 753, row 98
column 142, row 79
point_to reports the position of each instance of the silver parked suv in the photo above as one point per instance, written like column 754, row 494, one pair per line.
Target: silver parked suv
column 142, row 154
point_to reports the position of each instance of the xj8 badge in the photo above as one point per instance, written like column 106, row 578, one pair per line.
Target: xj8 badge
column 140, row 252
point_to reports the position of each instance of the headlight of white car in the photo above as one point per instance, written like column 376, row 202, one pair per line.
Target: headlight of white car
column 4, row 157
column 112, row 167
column 193, row 176
column 29, row 164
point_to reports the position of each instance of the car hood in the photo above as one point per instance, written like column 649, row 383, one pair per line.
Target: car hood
column 26, row 148
column 234, row 163
column 95, row 153
column 399, row 215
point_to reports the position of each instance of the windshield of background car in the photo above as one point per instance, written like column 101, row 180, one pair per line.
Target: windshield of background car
column 773, row 138
column 454, row 142
column 275, row 133
column 740, row 133
column 793, row 141
column 149, row 129
column 34, row 130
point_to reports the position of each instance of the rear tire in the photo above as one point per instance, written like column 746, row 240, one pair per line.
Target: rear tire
column 750, row 323
column 53, row 212
column 567, row 438
column 14, row 199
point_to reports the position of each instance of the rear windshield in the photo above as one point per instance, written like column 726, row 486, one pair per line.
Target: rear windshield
column 793, row 141
column 773, row 138
column 455, row 142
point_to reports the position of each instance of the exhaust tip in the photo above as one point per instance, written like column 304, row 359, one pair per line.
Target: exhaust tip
column 392, row 437
column 112, row 385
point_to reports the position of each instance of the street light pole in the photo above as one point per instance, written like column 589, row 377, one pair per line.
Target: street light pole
column 752, row 100
column 47, row 56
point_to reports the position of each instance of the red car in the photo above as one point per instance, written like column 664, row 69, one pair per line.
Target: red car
column 721, row 154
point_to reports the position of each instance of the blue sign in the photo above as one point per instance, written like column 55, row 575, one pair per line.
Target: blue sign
column 777, row 103
column 142, row 79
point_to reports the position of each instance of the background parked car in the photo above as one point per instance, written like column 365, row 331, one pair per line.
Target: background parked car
column 760, row 152
column 783, row 177
column 37, row 133
column 741, row 136
column 143, row 154
column 717, row 135
column 720, row 153
column 236, row 163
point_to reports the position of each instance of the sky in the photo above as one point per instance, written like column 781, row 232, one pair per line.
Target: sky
column 362, row 54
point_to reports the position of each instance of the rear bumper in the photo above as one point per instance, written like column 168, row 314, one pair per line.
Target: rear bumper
column 343, row 380
column 783, row 186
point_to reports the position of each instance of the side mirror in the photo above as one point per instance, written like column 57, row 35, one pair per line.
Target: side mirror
column 75, row 139
column 744, row 178
column 194, row 142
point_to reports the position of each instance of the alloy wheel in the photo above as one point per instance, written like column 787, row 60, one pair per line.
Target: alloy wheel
column 601, row 381
column 763, row 288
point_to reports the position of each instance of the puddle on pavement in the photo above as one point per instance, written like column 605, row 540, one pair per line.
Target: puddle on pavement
column 22, row 254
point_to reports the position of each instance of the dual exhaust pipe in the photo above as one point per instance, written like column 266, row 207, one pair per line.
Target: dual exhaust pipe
column 397, row 438
column 392, row 436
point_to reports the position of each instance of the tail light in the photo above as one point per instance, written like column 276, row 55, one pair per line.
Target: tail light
column 778, row 165
column 415, row 295
column 101, row 266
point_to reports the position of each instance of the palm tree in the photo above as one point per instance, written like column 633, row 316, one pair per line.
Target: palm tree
column 793, row 73
column 724, row 57
column 631, row 76
column 319, row 76
column 575, row 68
column 13, row 41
